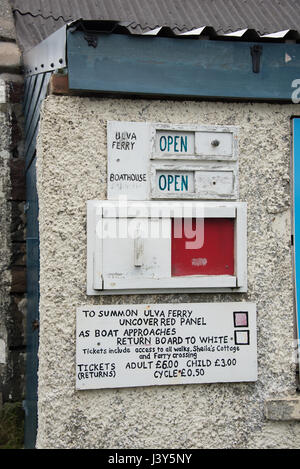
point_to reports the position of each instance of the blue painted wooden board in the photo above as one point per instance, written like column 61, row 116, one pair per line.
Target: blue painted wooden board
column 34, row 100
column 296, row 217
column 35, row 92
column 32, row 335
column 181, row 67
column 32, row 342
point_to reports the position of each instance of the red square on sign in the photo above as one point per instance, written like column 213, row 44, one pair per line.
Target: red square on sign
column 202, row 246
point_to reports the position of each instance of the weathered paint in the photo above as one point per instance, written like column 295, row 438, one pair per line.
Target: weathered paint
column 164, row 161
column 296, row 220
column 113, row 228
column 172, row 67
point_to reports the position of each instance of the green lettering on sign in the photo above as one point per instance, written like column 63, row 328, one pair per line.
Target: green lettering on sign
column 173, row 144
column 173, row 183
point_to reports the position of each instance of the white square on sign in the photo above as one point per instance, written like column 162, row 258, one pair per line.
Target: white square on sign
column 241, row 338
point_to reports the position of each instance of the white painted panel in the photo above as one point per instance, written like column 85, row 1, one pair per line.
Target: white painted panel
column 241, row 245
column 119, row 251
column 214, row 183
column 205, row 180
column 94, row 247
column 195, row 281
column 168, row 209
column 138, row 151
column 214, row 144
column 132, row 253
column 128, row 148
column 165, row 344
column 98, row 257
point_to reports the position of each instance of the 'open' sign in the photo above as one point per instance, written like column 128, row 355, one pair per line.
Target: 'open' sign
column 175, row 181
column 170, row 142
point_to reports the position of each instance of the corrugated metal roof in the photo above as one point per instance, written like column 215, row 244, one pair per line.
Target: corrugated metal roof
column 37, row 19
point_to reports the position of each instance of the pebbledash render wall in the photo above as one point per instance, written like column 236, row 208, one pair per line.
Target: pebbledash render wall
column 71, row 169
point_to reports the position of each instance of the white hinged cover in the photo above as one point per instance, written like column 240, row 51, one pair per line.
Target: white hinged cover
column 129, row 247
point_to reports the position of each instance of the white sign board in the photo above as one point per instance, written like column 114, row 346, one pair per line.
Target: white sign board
column 128, row 148
column 163, row 344
column 167, row 161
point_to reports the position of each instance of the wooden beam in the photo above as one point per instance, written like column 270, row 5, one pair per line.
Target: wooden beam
column 172, row 67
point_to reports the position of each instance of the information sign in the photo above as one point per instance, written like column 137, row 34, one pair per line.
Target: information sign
column 165, row 344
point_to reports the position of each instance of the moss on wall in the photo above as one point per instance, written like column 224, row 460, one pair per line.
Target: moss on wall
column 11, row 426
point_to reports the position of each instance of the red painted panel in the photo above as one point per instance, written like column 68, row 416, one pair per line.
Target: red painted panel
column 211, row 249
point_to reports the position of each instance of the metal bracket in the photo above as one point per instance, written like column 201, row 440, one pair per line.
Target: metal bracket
column 90, row 36
column 48, row 55
column 256, row 52
column 91, row 39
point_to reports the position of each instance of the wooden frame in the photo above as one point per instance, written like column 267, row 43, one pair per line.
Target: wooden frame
column 99, row 284
column 196, row 154
column 192, row 167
